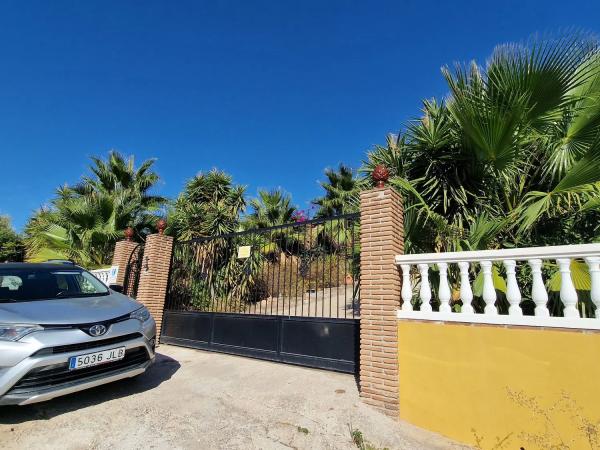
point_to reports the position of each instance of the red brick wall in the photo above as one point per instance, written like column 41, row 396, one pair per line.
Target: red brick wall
column 121, row 256
column 154, row 276
column 382, row 238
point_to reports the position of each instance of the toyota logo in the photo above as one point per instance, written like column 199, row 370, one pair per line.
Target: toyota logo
column 97, row 330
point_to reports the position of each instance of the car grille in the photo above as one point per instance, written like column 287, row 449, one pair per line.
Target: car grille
column 86, row 345
column 83, row 326
column 48, row 378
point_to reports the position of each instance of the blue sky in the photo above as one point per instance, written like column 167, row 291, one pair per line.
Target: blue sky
column 271, row 91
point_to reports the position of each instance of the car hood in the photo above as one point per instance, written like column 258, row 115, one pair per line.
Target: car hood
column 68, row 311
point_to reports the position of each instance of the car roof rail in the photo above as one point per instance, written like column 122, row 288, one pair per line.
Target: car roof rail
column 61, row 261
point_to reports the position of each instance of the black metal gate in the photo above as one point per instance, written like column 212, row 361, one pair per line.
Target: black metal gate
column 288, row 293
column 132, row 271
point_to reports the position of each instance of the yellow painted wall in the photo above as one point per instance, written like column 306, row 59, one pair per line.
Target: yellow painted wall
column 455, row 378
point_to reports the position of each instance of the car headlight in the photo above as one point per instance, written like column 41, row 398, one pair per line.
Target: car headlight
column 14, row 332
column 141, row 314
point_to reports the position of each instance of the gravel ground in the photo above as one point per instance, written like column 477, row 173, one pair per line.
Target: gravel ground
column 194, row 399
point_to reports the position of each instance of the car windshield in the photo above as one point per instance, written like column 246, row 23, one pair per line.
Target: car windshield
column 29, row 284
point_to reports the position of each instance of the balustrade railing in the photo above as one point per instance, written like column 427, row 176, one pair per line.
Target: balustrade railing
column 523, row 274
column 107, row 275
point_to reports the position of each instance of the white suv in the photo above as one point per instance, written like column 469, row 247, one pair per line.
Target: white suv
column 62, row 330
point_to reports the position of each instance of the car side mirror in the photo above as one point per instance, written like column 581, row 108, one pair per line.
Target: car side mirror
column 116, row 288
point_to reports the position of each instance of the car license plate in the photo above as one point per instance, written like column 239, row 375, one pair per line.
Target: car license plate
column 97, row 358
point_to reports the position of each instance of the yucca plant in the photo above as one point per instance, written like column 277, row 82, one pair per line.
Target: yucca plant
column 210, row 205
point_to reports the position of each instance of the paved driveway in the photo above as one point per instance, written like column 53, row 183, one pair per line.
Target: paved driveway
column 200, row 400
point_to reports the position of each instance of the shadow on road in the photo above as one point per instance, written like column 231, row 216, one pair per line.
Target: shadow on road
column 163, row 369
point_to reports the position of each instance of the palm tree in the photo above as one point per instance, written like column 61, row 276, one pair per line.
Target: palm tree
column 118, row 174
column 510, row 157
column 271, row 208
column 341, row 192
column 532, row 121
column 517, row 142
column 84, row 221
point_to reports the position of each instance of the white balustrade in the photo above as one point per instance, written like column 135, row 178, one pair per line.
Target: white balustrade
column 444, row 289
column 513, row 293
column 594, row 268
column 466, row 294
column 489, row 291
column 488, row 264
column 107, row 276
column 425, row 291
column 568, row 294
column 406, row 292
column 538, row 289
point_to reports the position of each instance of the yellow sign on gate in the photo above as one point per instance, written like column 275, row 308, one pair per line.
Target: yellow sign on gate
column 244, row 251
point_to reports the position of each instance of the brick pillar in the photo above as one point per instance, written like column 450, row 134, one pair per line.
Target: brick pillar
column 121, row 256
column 154, row 276
column 382, row 238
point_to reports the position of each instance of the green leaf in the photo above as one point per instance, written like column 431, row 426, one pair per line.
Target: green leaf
column 499, row 282
column 579, row 274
